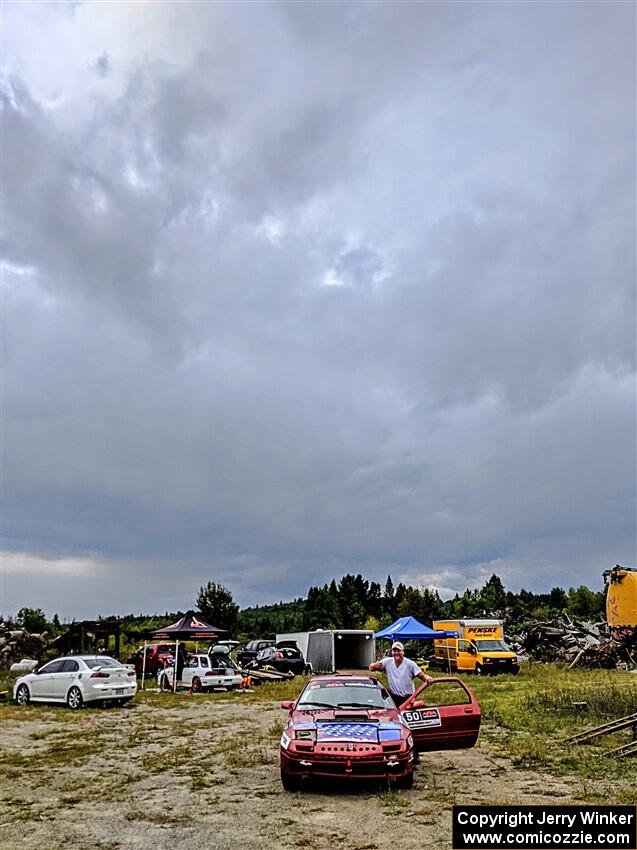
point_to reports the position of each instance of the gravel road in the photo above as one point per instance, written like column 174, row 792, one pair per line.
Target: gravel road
column 204, row 775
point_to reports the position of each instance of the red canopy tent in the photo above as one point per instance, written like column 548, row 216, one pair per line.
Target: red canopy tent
column 190, row 627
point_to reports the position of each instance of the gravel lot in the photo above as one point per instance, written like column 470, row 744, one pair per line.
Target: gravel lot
column 205, row 773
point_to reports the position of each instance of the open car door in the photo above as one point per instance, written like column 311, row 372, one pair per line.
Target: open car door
column 447, row 718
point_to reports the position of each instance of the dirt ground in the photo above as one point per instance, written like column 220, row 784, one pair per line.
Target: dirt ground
column 205, row 775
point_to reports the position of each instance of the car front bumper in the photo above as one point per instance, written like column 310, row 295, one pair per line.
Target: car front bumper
column 347, row 766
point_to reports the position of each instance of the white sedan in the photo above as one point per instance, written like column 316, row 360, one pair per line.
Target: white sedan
column 201, row 672
column 77, row 679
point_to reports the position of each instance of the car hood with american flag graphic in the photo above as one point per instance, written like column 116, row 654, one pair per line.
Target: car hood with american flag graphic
column 339, row 725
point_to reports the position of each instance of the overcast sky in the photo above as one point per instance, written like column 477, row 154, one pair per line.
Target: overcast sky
column 296, row 289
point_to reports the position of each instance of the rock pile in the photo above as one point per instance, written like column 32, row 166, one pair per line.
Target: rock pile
column 575, row 642
column 16, row 644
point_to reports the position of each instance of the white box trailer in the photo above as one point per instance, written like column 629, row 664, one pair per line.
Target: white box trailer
column 339, row 649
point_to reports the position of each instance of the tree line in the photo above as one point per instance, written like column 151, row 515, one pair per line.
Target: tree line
column 353, row 602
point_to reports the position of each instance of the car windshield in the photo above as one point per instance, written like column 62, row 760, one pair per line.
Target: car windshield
column 101, row 661
column 343, row 695
column 492, row 646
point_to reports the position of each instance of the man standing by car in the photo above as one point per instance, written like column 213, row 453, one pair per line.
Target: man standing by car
column 400, row 673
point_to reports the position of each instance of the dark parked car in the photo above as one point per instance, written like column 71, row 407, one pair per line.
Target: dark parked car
column 284, row 656
column 251, row 650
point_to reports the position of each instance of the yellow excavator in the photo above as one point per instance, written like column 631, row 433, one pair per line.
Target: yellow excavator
column 621, row 603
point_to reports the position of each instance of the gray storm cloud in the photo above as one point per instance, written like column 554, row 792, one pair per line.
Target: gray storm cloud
column 296, row 289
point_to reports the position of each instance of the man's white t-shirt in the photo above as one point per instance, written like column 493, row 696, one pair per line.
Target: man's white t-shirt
column 399, row 677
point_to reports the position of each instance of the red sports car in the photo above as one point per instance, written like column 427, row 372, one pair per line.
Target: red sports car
column 348, row 727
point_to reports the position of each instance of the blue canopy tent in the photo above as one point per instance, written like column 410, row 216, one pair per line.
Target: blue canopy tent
column 409, row 628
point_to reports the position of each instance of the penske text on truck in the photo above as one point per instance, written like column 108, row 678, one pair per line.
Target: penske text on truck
column 479, row 647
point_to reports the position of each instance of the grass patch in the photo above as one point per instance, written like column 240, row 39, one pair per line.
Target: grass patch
column 276, row 729
column 543, row 706
column 201, row 779
column 161, row 816
column 60, row 754
column 242, row 757
column 393, row 802
column 584, row 703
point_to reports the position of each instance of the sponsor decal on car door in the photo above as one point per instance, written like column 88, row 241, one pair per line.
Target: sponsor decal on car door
column 442, row 715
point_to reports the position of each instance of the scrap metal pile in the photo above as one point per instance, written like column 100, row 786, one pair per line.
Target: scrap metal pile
column 574, row 642
column 16, row 644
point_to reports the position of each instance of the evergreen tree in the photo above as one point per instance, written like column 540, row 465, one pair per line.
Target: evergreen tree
column 351, row 610
column 217, row 606
column 388, row 606
column 493, row 597
column 321, row 610
column 32, row 619
column 401, row 590
column 557, row 600
column 374, row 600
column 585, row 604
column 433, row 607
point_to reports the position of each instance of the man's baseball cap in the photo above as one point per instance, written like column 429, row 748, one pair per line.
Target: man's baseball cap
column 398, row 645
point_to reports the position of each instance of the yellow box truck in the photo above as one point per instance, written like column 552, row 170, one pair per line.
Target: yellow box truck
column 479, row 647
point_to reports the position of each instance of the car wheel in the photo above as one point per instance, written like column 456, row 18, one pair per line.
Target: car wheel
column 23, row 697
column 196, row 684
column 405, row 782
column 290, row 783
column 74, row 699
column 515, row 671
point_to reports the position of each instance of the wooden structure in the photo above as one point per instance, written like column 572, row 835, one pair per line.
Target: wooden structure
column 87, row 637
column 629, row 749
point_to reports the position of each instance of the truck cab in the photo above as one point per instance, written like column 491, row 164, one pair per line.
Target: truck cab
column 479, row 647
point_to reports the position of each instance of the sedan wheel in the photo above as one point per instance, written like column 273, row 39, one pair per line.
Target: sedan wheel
column 74, row 699
column 23, row 697
column 196, row 684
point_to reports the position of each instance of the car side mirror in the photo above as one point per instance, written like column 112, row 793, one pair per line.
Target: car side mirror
column 287, row 704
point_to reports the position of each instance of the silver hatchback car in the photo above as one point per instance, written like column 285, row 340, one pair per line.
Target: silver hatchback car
column 78, row 679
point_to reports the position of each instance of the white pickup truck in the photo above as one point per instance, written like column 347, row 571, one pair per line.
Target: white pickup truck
column 199, row 674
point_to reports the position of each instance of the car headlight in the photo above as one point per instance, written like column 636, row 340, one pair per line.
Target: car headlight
column 305, row 734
